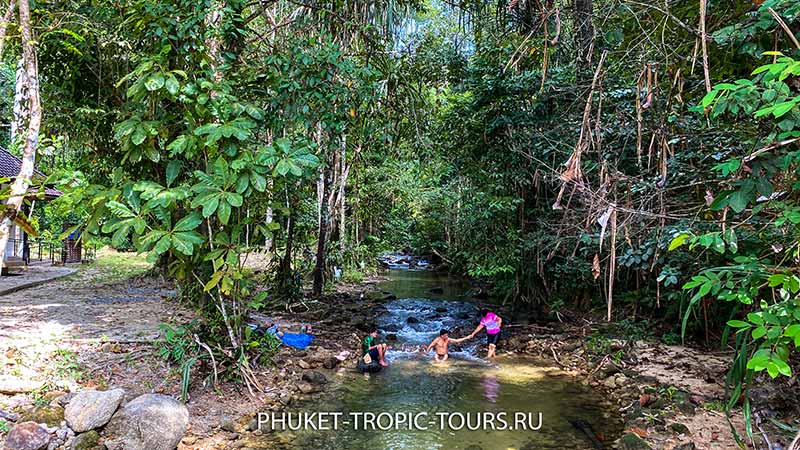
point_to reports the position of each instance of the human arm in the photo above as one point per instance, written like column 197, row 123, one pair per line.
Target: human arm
column 433, row 343
column 477, row 330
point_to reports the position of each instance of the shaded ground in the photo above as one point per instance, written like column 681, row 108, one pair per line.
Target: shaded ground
column 32, row 275
column 55, row 321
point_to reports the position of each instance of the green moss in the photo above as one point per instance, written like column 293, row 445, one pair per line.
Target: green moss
column 86, row 441
column 50, row 415
column 632, row 441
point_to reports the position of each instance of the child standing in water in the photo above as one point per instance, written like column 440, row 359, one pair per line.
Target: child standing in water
column 492, row 322
column 441, row 344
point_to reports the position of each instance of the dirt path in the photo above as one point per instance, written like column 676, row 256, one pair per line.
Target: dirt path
column 68, row 317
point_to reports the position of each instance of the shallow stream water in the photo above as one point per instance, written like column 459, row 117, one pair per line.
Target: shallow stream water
column 559, row 411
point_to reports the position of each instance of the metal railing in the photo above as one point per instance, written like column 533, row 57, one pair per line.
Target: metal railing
column 40, row 250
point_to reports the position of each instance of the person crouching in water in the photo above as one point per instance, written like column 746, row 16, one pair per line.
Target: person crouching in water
column 492, row 322
column 377, row 352
column 441, row 345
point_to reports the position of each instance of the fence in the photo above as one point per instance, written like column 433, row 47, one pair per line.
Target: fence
column 40, row 250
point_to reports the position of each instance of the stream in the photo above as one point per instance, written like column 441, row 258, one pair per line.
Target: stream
column 561, row 412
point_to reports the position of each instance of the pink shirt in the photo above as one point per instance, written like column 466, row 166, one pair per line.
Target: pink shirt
column 491, row 322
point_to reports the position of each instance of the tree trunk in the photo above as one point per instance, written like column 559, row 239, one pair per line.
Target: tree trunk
column 19, row 111
column 20, row 186
column 354, row 214
column 324, row 225
column 285, row 271
column 269, row 217
column 584, row 41
column 342, row 203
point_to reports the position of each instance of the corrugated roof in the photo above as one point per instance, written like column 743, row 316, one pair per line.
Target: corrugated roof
column 9, row 168
column 10, row 165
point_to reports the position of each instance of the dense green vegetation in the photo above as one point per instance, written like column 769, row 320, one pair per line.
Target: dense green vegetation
column 576, row 156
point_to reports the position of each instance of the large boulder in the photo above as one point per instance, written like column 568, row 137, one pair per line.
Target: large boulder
column 148, row 422
column 314, row 377
column 92, row 409
column 27, row 436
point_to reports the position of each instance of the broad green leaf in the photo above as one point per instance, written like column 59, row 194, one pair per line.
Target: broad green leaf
column 738, row 200
column 224, row 212
column 258, row 181
column 213, row 281
column 792, row 330
column 783, row 368
column 172, row 85
column 234, row 199
column 154, row 82
column 163, row 245
column 173, row 170
column 139, row 135
column 189, row 222
column 782, row 108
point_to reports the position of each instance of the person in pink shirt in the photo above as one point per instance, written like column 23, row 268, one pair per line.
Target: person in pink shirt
column 492, row 322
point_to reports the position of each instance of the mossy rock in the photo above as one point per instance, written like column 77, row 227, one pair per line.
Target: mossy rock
column 679, row 428
column 632, row 441
column 52, row 416
column 660, row 404
column 86, row 441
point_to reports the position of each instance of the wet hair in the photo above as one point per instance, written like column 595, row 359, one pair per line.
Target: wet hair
column 483, row 312
column 443, row 331
column 372, row 329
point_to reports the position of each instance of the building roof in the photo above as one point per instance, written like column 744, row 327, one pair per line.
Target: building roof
column 9, row 168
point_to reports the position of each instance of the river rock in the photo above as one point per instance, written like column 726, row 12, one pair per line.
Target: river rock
column 391, row 337
column 65, row 399
column 11, row 417
column 686, row 446
column 331, row 362
column 314, row 377
column 392, row 327
column 92, row 409
column 27, row 436
column 148, row 422
column 610, row 383
column 438, row 291
column 412, row 320
column 228, row 425
column 86, row 441
column 307, row 388
column 304, row 364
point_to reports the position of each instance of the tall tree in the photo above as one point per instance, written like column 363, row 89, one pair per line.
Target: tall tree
column 584, row 40
column 11, row 211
